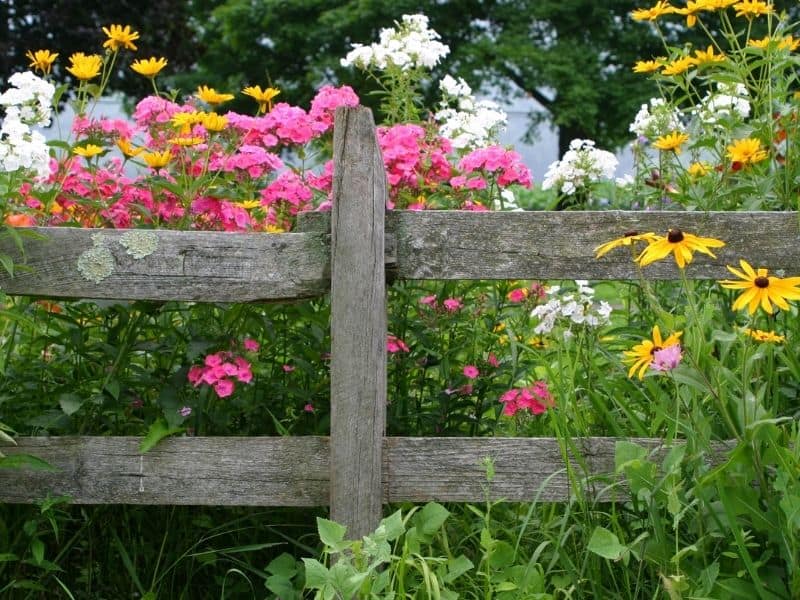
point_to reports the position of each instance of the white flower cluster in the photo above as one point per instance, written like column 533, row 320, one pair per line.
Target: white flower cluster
column 472, row 123
column 580, row 166
column 656, row 119
column 571, row 308
column 410, row 45
column 730, row 100
column 27, row 104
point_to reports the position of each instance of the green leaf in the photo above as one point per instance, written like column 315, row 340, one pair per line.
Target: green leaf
column 37, row 550
column 157, row 432
column 25, row 461
column 284, row 565
column 70, row 403
column 431, row 518
column 393, row 526
column 606, row 544
column 316, row 573
column 457, row 567
column 331, row 533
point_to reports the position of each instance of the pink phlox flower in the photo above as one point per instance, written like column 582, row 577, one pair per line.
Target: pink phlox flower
column 492, row 360
column 535, row 398
column 224, row 388
column 154, row 109
column 250, row 344
column 473, row 206
column 185, row 411
column 309, row 408
column 395, row 344
column 289, row 188
column 452, row 304
column 244, row 371
column 667, row 359
column 255, row 160
column 507, row 165
column 292, row 124
column 471, row 371
column 195, row 375
column 322, row 182
column 288, row 368
column 327, row 100
column 428, row 300
column 254, row 130
column 518, row 295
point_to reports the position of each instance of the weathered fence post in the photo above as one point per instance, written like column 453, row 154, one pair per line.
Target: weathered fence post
column 358, row 322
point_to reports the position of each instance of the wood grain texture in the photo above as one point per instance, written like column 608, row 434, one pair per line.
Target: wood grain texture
column 560, row 245
column 186, row 265
column 358, row 322
column 294, row 471
column 225, row 471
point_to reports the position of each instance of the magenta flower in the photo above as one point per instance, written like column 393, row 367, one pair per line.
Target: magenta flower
column 666, row 359
column 471, row 371
column 250, row 345
column 185, row 411
column 224, row 388
column 428, row 300
column 309, row 408
column 288, row 368
column 395, row 344
column 452, row 304
column 492, row 360
column 535, row 398
column 518, row 295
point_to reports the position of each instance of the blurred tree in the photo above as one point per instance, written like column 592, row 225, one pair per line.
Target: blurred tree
column 574, row 57
column 68, row 26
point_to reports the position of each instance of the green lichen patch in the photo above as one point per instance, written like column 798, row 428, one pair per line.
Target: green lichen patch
column 139, row 243
column 96, row 264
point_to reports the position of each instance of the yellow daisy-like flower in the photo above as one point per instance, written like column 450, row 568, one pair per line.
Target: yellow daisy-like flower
column 760, row 289
column 85, row 67
column 149, row 67
column 764, row 336
column 760, row 43
column 671, row 141
column 249, row 204
column 214, row 122
column 692, row 8
column 157, row 160
column 128, row 149
column 629, row 239
column 263, row 97
column 746, row 151
column 752, row 8
column 185, row 120
column 698, row 169
column 186, row 141
column 41, row 60
column 647, row 66
column 679, row 65
column 212, row 96
column 651, row 14
column 274, row 228
column 681, row 245
column 88, row 150
column 641, row 355
column 120, row 37
column 704, row 57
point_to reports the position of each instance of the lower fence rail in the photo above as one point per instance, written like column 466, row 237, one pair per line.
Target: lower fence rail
column 295, row 471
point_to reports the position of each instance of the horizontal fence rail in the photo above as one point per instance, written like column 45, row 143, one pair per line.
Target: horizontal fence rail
column 203, row 266
column 244, row 267
column 294, row 471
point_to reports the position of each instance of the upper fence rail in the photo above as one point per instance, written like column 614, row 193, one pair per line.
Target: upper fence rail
column 246, row 267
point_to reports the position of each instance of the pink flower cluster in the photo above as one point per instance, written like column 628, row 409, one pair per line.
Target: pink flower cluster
column 221, row 370
column 505, row 166
column 451, row 305
column 535, row 398
column 394, row 344
column 412, row 160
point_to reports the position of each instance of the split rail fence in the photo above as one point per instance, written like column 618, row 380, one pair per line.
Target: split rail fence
column 349, row 254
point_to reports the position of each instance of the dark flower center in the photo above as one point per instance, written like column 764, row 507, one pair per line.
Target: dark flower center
column 631, row 233
column 674, row 236
column 761, row 282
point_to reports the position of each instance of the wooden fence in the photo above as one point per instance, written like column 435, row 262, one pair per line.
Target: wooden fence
column 350, row 253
